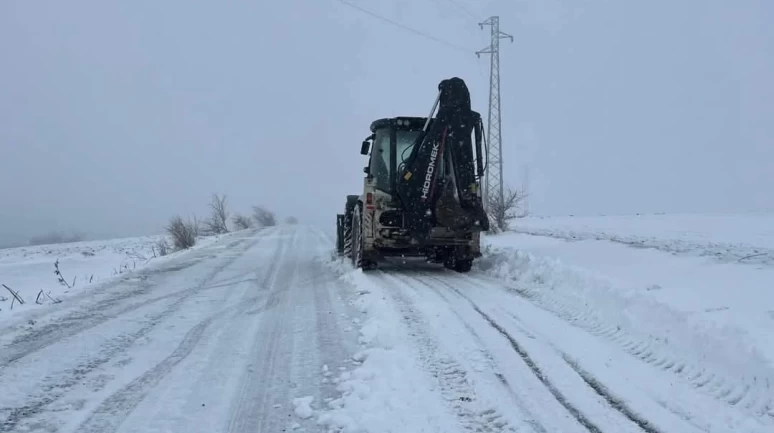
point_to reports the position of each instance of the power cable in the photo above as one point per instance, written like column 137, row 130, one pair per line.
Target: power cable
column 462, row 8
column 407, row 28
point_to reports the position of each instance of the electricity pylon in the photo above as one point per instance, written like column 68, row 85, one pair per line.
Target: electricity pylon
column 493, row 186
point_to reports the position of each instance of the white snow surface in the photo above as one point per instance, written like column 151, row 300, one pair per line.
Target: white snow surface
column 30, row 270
column 302, row 406
column 579, row 321
column 267, row 330
column 690, row 298
column 743, row 238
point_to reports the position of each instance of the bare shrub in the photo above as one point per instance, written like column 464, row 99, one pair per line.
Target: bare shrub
column 264, row 217
column 242, row 222
column 163, row 246
column 182, row 232
column 291, row 220
column 217, row 223
column 502, row 212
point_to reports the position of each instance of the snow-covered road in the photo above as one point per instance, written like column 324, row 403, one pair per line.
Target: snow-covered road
column 264, row 332
column 221, row 339
column 503, row 359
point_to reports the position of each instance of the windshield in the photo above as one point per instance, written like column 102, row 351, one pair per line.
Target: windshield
column 383, row 166
column 404, row 144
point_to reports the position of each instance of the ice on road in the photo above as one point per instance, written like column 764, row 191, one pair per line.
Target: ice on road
column 266, row 331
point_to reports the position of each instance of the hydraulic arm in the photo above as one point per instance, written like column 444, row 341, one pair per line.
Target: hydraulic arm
column 439, row 181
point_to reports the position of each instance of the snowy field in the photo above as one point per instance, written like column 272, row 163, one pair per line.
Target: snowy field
column 743, row 238
column 30, row 270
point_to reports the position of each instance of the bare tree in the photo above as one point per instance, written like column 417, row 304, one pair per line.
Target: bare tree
column 502, row 212
column 242, row 222
column 217, row 222
column 291, row 220
column 264, row 217
column 183, row 233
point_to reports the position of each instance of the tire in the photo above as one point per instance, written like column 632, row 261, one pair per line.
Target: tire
column 454, row 263
column 449, row 262
column 463, row 265
column 347, row 233
column 357, row 242
column 357, row 239
column 349, row 210
column 339, row 234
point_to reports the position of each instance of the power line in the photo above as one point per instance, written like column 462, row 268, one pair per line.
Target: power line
column 461, row 11
column 407, row 28
column 464, row 9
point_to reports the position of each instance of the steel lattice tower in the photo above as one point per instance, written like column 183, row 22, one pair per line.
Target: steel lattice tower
column 494, row 172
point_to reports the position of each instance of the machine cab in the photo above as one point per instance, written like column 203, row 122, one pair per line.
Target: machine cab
column 391, row 144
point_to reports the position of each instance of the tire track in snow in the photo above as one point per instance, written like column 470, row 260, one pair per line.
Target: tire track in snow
column 451, row 376
column 558, row 396
column 491, row 363
column 114, row 410
column 575, row 412
column 53, row 391
column 614, row 402
column 265, row 380
column 330, row 337
column 753, row 395
column 109, row 415
column 94, row 315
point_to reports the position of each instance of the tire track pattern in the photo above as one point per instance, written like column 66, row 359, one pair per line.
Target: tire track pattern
column 52, row 391
column 112, row 411
column 753, row 395
column 96, row 314
column 614, row 402
column 264, row 380
column 611, row 399
column 452, row 377
column 575, row 412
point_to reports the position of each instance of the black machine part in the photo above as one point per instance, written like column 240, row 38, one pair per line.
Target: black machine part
column 451, row 200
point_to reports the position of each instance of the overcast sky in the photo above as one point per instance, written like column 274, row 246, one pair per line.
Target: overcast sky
column 115, row 116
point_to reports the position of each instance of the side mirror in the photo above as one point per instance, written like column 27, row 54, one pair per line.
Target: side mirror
column 365, row 147
column 366, row 170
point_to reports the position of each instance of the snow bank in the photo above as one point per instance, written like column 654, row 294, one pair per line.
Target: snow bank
column 746, row 238
column 388, row 391
column 717, row 319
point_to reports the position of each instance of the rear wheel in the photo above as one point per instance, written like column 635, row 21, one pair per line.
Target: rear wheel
column 347, row 235
column 358, row 260
column 463, row 265
column 448, row 261
column 340, row 234
column 457, row 264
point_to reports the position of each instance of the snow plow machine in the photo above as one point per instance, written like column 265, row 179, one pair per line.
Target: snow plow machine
column 421, row 193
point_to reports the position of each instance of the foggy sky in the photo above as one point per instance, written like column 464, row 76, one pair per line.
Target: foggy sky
column 115, row 116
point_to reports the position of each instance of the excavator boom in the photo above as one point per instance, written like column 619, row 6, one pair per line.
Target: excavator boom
column 453, row 200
